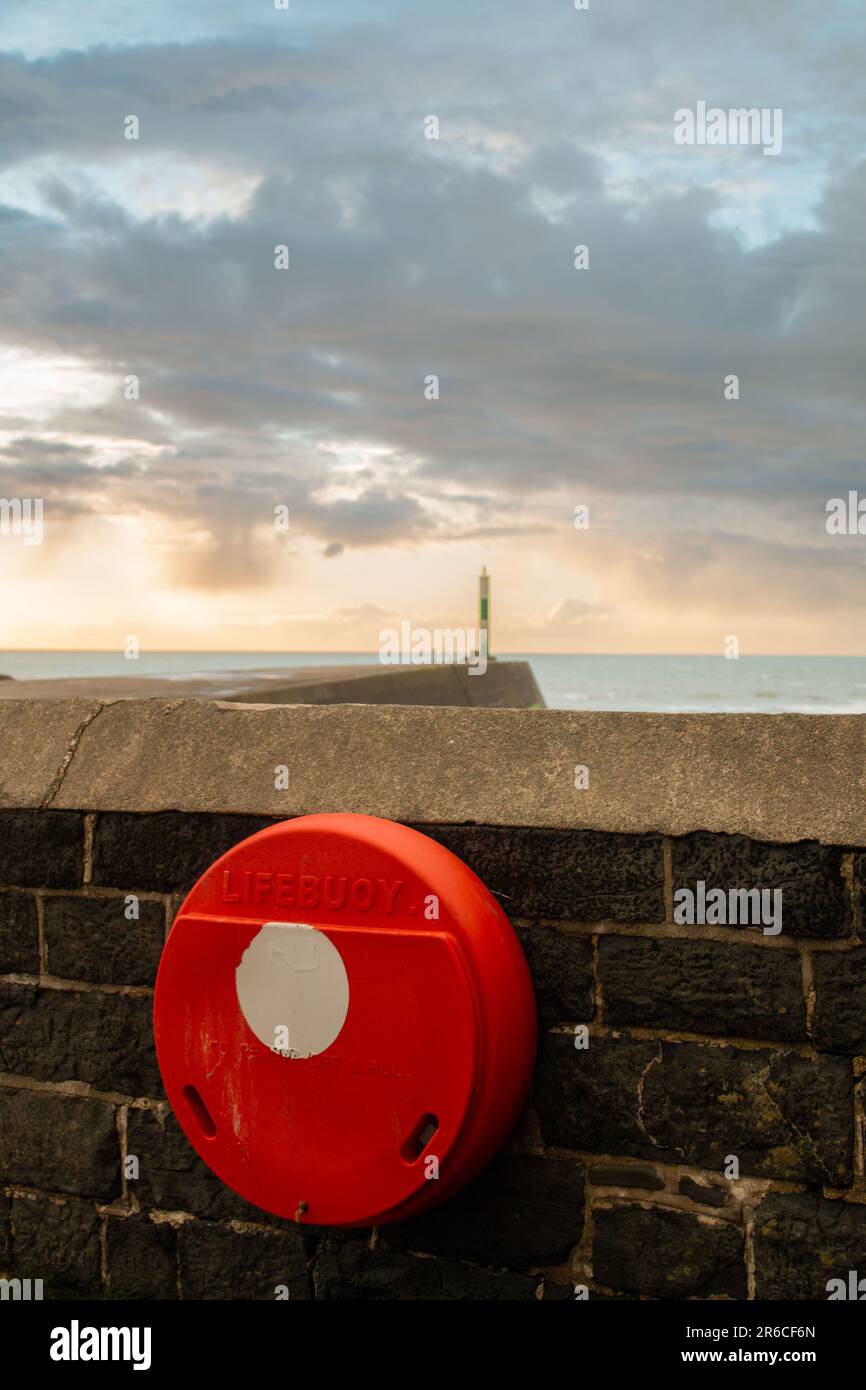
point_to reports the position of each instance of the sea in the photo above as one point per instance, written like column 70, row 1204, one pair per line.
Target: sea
column 686, row 684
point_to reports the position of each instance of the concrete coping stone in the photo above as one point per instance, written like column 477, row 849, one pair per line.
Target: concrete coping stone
column 782, row 778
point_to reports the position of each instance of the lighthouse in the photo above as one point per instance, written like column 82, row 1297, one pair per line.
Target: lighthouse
column 484, row 611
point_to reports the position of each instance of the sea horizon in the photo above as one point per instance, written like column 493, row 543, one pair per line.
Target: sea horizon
column 664, row 683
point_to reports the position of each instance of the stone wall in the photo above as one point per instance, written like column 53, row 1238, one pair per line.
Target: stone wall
column 705, row 1042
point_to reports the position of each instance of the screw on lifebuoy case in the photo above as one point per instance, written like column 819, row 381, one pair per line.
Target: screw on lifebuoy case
column 344, row 1020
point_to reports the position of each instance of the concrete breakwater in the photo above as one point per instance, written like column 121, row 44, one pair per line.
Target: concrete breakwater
column 502, row 685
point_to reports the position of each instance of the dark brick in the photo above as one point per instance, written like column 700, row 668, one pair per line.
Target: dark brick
column 567, row 1293
column 703, row 987
column 65, row 1143
column 557, row 1293
column 589, row 1099
column 19, row 934
column 520, row 1212
column 165, row 852
column 142, row 1258
column 561, row 967
column 91, row 939
column 814, row 896
column 670, row 1254
column 802, row 1241
column 583, row 875
column 707, row 1195
column 860, row 877
column 172, row 1177
column 41, row 849
column 218, row 1262
column 57, row 1239
column 72, row 1035
column 781, row 1114
column 839, row 1022
column 345, row 1271
column 625, row 1175
column 5, row 1231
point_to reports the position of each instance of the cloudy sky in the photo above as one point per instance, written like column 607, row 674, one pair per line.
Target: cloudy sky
column 411, row 257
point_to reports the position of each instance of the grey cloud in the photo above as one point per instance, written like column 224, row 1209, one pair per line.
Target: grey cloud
column 410, row 258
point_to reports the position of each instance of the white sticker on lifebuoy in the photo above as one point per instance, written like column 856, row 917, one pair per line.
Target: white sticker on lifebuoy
column 293, row 989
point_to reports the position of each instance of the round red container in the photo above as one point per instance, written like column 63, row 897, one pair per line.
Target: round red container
column 344, row 1021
